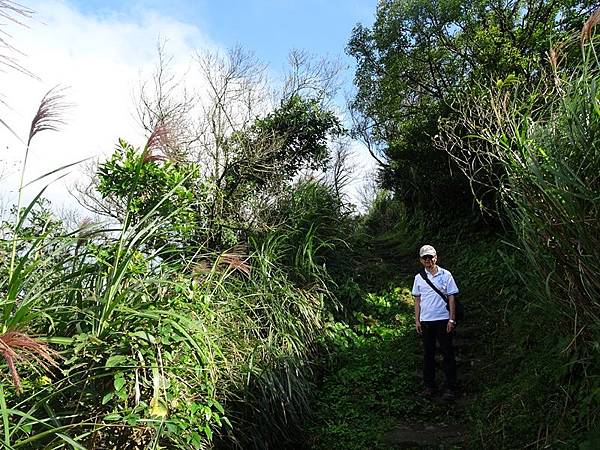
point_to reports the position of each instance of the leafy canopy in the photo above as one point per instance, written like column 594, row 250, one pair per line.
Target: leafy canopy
column 418, row 61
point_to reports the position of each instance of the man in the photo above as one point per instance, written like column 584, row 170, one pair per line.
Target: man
column 434, row 321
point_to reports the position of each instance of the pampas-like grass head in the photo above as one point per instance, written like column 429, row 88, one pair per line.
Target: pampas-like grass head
column 49, row 114
column 159, row 142
column 237, row 260
column 588, row 26
column 16, row 346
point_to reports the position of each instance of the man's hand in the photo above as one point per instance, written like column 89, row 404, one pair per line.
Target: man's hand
column 450, row 327
column 418, row 327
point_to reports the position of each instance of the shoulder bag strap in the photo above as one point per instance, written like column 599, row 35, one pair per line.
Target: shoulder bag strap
column 428, row 281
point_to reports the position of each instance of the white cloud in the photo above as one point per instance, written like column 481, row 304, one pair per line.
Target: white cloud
column 102, row 60
column 364, row 169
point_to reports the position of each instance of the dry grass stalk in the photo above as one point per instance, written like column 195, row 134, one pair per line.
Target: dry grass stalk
column 588, row 26
column 87, row 228
column 201, row 268
column 162, row 143
column 12, row 12
column 236, row 260
column 9, row 10
column 49, row 113
column 553, row 58
column 85, row 225
column 17, row 346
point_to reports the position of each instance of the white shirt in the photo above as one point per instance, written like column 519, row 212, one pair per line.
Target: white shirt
column 433, row 307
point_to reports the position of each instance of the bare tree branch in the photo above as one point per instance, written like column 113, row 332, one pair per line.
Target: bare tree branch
column 312, row 77
column 361, row 130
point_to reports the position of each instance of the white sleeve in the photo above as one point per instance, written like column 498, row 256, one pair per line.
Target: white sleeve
column 415, row 289
column 452, row 288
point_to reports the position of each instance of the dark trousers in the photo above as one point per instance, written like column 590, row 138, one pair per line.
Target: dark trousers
column 432, row 331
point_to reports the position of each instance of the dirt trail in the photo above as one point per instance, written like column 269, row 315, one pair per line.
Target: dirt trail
column 451, row 432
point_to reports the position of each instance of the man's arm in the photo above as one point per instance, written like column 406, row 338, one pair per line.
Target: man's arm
column 418, row 314
column 452, row 305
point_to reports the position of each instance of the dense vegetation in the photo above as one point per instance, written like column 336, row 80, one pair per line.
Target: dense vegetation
column 495, row 104
column 224, row 298
column 190, row 312
column 158, row 349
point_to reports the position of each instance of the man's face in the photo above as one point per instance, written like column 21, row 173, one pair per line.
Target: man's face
column 428, row 261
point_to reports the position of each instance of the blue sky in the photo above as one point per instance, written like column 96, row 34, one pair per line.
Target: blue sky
column 270, row 28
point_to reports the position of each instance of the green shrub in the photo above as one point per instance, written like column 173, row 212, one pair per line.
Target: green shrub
column 154, row 353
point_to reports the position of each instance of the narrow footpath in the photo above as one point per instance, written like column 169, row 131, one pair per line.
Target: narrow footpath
column 371, row 397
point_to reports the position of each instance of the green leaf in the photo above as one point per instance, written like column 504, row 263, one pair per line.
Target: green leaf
column 76, row 445
column 219, row 407
column 119, row 381
column 5, row 419
column 115, row 361
column 108, row 397
column 112, row 417
column 56, row 340
column 196, row 439
column 132, row 419
column 144, row 335
column 208, row 432
column 172, row 428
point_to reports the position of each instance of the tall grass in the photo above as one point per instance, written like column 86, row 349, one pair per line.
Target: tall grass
column 551, row 160
column 541, row 144
column 158, row 352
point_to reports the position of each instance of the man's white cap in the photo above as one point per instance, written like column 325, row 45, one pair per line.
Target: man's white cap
column 427, row 250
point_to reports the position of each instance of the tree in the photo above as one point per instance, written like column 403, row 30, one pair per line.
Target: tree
column 276, row 147
column 244, row 143
column 419, row 59
column 261, row 160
